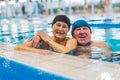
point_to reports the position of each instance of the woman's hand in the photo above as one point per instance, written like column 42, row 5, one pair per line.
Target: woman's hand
column 44, row 36
column 45, row 52
column 36, row 40
column 40, row 36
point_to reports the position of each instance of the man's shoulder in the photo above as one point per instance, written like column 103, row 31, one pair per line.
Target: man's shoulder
column 99, row 43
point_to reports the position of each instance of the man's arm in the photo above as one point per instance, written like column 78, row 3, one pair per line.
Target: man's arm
column 106, row 48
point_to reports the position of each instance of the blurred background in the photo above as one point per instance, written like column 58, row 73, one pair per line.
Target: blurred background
column 15, row 8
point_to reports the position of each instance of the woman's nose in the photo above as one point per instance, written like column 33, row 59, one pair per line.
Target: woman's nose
column 60, row 28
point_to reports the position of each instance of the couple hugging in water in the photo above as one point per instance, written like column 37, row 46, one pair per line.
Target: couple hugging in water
column 79, row 45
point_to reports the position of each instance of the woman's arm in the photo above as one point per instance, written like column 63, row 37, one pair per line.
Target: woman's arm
column 70, row 44
column 27, row 46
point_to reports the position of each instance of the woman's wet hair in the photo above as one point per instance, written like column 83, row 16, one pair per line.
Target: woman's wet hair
column 62, row 18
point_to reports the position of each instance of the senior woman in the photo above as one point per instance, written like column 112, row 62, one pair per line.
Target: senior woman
column 59, row 42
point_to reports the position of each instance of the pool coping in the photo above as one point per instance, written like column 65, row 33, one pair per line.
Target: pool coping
column 62, row 64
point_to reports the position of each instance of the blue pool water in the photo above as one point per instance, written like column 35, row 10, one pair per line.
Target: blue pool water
column 109, row 34
column 10, row 70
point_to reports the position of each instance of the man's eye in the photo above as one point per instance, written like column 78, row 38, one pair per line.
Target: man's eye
column 78, row 29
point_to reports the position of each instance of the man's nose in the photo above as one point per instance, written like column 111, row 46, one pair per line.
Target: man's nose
column 81, row 31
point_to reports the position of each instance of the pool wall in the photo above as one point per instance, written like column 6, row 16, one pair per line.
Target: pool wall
column 60, row 66
column 11, row 70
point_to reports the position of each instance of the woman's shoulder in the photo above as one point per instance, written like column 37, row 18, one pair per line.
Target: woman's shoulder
column 71, row 39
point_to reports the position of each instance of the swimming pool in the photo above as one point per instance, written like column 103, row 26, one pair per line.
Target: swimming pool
column 17, row 31
column 110, row 34
column 11, row 70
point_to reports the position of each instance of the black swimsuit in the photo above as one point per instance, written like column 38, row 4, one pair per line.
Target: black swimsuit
column 88, row 44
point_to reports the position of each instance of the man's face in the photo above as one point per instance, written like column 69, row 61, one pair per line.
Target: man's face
column 82, row 35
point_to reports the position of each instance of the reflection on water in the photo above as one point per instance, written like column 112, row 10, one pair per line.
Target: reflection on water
column 112, row 38
column 97, row 53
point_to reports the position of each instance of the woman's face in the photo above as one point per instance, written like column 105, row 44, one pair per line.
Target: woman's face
column 82, row 35
column 60, row 29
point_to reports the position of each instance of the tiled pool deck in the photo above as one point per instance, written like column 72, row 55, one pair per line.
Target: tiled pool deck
column 65, row 65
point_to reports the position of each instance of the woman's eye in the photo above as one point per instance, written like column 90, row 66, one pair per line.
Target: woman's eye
column 58, row 24
column 64, row 26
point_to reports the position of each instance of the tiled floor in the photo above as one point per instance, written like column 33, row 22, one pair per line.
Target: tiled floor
column 65, row 65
